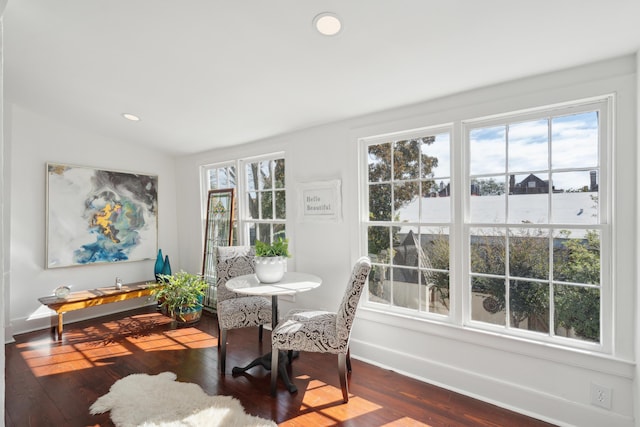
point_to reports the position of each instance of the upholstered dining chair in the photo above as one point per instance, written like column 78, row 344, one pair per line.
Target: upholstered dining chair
column 322, row 331
column 235, row 310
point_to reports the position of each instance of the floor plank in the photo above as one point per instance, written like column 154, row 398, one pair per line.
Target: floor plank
column 51, row 383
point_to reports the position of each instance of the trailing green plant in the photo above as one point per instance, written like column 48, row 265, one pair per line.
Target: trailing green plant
column 179, row 291
column 280, row 247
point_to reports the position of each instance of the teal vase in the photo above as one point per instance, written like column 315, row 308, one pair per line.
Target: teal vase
column 166, row 268
column 157, row 269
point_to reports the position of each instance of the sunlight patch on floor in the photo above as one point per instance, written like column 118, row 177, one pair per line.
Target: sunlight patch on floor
column 67, row 358
column 405, row 422
column 318, row 393
column 156, row 342
column 193, row 338
column 308, row 419
column 322, row 405
column 101, row 345
column 355, row 408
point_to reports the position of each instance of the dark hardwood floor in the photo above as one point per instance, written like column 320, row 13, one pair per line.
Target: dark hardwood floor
column 53, row 384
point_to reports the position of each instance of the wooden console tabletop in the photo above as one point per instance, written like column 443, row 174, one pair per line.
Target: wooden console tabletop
column 92, row 297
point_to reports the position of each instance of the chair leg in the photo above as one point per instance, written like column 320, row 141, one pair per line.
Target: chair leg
column 223, row 350
column 219, row 338
column 342, row 372
column 348, row 360
column 260, row 328
column 274, row 370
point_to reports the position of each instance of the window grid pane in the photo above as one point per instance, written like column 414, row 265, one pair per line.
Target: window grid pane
column 409, row 250
column 551, row 170
column 266, row 200
column 220, row 178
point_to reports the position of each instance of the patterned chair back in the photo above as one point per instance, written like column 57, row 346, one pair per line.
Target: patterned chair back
column 232, row 261
column 347, row 310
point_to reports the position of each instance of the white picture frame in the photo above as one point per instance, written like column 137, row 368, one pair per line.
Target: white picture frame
column 320, row 201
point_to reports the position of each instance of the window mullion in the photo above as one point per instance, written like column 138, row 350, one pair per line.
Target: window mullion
column 460, row 266
column 552, row 306
column 241, row 178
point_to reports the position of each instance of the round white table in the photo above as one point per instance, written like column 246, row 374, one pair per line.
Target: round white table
column 291, row 283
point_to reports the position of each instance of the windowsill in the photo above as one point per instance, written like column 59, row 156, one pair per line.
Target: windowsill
column 596, row 361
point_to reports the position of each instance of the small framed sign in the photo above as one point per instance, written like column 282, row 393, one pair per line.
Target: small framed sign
column 320, row 201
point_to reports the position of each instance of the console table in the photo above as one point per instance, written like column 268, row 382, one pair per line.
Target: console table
column 92, row 297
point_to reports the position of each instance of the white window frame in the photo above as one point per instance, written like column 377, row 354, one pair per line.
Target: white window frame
column 460, row 314
column 604, row 106
column 365, row 222
column 243, row 216
column 241, row 193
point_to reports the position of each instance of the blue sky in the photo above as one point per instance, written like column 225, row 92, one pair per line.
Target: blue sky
column 523, row 148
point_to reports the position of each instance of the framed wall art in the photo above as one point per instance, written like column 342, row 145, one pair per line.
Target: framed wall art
column 99, row 216
column 320, row 201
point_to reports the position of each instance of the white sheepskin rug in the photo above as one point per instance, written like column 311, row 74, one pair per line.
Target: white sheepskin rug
column 159, row 400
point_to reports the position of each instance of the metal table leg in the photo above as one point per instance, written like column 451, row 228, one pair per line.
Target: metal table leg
column 265, row 360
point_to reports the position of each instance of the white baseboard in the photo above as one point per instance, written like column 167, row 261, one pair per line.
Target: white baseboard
column 543, row 406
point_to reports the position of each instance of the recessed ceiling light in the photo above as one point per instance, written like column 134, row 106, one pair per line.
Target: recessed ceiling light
column 131, row 117
column 327, row 24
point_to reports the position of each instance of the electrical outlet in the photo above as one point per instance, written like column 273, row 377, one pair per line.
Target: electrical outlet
column 600, row 396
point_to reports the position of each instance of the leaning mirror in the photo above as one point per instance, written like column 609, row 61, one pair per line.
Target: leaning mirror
column 218, row 232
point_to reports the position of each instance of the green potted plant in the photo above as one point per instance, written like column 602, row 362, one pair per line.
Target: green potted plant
column 180, row 295
column 271, row 260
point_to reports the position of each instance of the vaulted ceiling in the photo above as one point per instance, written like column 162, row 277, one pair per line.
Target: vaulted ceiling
column 203, row 74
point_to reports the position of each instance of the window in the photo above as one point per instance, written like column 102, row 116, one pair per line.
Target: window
column 260, row 201
column 530, row 206
column 408, row 188
column 219, row 177
column 265, row 201
column 260, row 196
column 534, row 246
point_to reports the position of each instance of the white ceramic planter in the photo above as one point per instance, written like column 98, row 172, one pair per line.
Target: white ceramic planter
column 270, row 269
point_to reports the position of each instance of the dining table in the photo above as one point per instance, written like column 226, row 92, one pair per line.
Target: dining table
column 290, row 284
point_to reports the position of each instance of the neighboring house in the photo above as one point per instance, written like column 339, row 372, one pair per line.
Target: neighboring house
column 530, row 185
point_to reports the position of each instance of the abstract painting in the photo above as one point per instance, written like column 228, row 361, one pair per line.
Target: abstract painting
column 100, row 216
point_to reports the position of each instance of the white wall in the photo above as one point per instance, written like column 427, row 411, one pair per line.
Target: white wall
column 312, row 258
column 636, row 382
column 543, row 381
column 35, row 140
column 3, row 230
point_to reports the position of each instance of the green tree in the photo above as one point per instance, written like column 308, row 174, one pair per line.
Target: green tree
column 266, row 179
column 528, row 258
column 405, row 165
column 438, row 254
column 410, row 166
column 486, row 187
column 578, row 307
column 400, row 172
column 576, row 261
